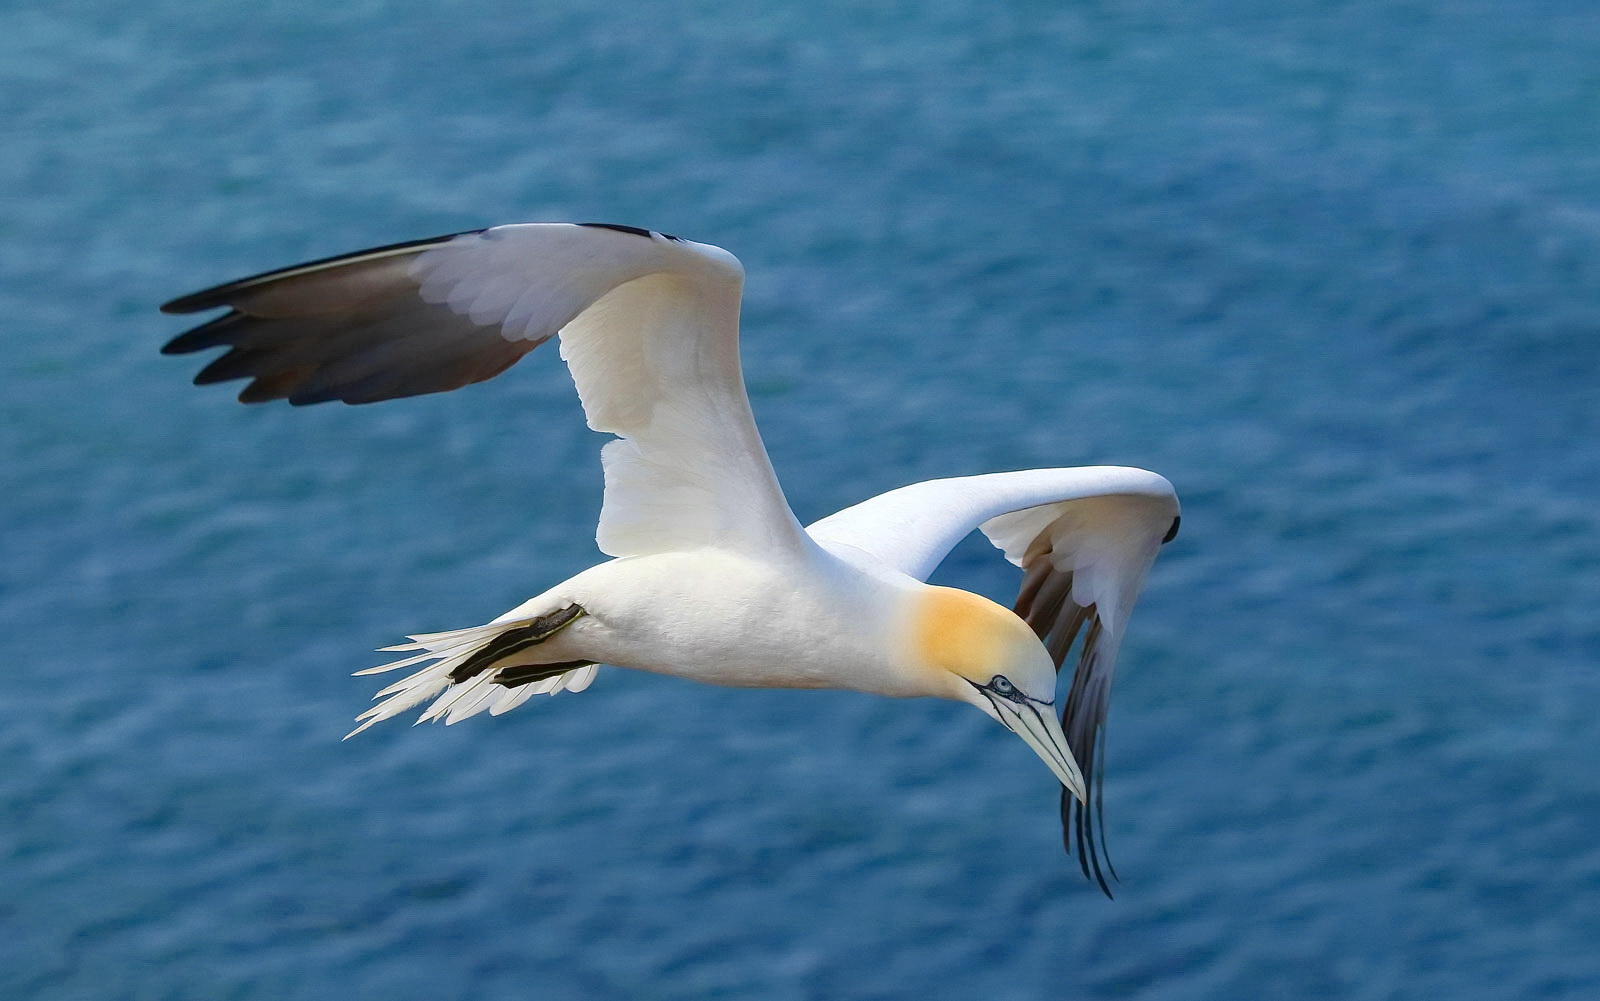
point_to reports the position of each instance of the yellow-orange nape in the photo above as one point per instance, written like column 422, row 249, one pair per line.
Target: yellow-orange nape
column 973, row 638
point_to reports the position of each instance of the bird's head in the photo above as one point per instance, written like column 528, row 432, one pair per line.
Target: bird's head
column 981, row 653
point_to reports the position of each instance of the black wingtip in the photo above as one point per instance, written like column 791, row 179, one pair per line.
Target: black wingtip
column 1078, row 838
column 211, row 334
column 219, row 295
column 635, row 230
column 197, row 302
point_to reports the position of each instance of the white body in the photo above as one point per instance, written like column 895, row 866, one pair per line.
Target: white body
column 724, row 618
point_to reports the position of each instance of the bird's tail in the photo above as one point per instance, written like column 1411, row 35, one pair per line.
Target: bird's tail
column 473, row 670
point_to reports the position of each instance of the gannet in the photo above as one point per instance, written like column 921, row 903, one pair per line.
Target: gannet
column 711, row 576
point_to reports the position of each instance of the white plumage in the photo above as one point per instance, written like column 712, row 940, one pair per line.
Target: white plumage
column 712, row 577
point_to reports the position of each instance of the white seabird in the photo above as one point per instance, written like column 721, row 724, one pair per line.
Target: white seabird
column 711, row 578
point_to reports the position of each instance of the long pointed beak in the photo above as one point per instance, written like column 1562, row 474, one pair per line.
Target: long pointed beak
column 1037, row 725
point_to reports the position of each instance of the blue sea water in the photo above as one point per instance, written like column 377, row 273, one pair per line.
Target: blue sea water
column 1332, row 267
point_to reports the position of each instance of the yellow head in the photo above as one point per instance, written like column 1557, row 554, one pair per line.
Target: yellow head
column 978, row 652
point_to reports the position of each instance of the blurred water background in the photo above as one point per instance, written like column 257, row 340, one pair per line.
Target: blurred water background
column 1332, row 267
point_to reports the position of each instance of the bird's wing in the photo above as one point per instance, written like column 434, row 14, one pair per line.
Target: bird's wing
column 1084, row 538
column 649, row 328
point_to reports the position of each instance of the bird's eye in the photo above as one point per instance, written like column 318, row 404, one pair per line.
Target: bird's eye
column 1002, row 685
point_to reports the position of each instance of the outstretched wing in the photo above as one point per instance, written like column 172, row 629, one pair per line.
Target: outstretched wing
column 649, row 328
column 1084, row 538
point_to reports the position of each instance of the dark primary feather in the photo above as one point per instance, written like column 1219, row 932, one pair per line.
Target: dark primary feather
column 350, row 328
column 1045, row 603
column 635, row 230
column 222, row 295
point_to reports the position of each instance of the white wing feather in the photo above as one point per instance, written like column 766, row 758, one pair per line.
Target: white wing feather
column 649, row 328
column 650, row 333
column 913, row 528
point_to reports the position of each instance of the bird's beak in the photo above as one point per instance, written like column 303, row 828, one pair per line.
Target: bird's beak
column 1036, row 723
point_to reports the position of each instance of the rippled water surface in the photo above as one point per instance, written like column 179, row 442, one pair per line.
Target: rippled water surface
column 1334, row 269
